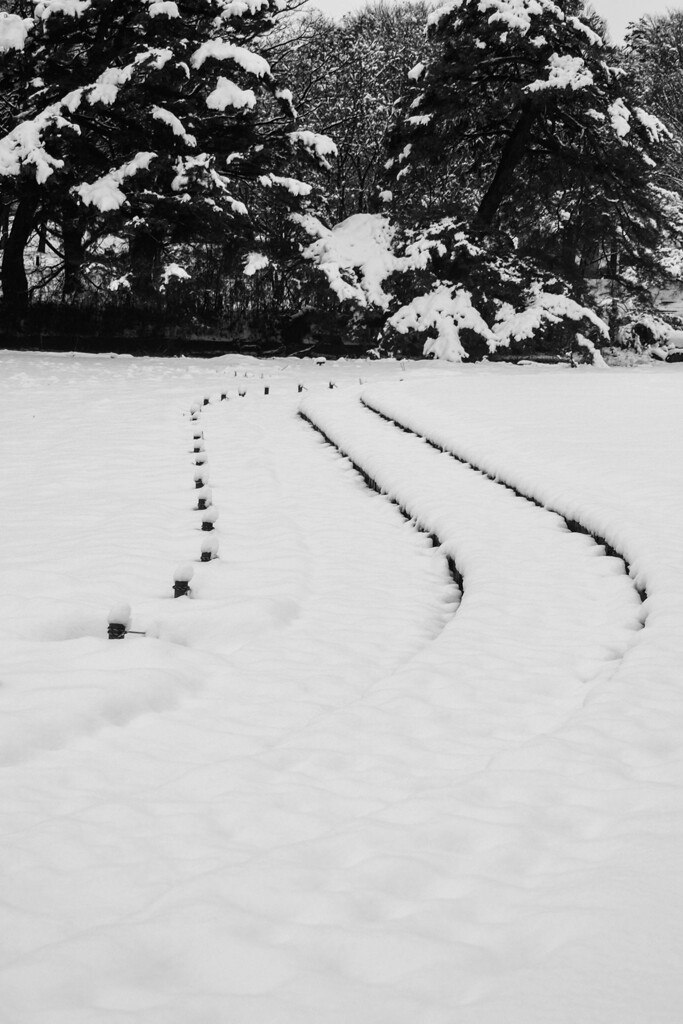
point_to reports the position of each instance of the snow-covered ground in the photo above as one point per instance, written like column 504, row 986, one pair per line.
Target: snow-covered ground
column 324, row 787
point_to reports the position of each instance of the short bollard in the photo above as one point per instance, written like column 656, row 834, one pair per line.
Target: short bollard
column 206, row 401
column 200, row 478
column 198, row 446
column 200, row 458
column 209, row 518
column 266, row 390
column 119, row 621
column 209, row 549
column 204, row 499
column 181, row 581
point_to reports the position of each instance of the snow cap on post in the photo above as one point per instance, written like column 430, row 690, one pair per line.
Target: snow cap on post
column 119, row 620
column 209, row 518
column 209, row 549
column 204, row 498
column 181, row 580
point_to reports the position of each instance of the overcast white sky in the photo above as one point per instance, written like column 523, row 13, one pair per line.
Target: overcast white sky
column 617, row 13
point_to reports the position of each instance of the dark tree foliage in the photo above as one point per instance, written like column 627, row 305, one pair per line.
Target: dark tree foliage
column 543, row 123
column 153, row 158
column 551, row 153
column 162, row 125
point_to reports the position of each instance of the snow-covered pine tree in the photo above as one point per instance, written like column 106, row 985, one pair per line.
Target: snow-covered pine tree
column 551, row 155
column 157, row 121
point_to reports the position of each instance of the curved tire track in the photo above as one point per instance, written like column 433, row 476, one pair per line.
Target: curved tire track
column 542, row 605
column 573, row 525
column 374, row 486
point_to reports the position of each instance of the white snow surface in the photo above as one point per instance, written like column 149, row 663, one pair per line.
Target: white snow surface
column 228, row 94
column 105, row 193
column 356, row 256
column 13, row 31
column 175, row 124
column 447, row 311
column 319, row 146
column 564, row 72
column 620, row 117
column 323, row 788
column 24, row 145
column 219, row 49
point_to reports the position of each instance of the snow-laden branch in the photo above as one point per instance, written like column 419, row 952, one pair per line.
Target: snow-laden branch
column 13, row 31
column 25, row 146
column 69, row 8
column 544, row 309
column 318, row 146
column 564, row 72
column 175, row 124
column 105, row 193
column 447, row 312
column 218, row 49
column 356, row 256
column 228, row 94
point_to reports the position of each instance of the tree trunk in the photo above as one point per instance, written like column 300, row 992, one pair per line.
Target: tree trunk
column 513, row 151
column 13, row 274
column 614, row 305
column 72, row 240
column 145, row 258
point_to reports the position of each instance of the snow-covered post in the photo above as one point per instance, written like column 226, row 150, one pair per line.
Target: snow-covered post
column 204, row 499
column 198, row 445
column 200, row 458
column 119, row 621
column 209, row 549
column 209, row 518
column 181, row 581
column 200, row 477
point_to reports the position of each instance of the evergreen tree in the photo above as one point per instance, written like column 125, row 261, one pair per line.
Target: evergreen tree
column 553, row 151
column 161, row 123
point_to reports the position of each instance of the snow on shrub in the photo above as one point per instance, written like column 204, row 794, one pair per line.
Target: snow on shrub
column 13, row 31
column 447, row 312
column 356, row 256
column 499, row 299
column 544, row 309
column 173, row 272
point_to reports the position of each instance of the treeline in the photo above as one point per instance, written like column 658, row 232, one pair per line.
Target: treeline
column 479, row 177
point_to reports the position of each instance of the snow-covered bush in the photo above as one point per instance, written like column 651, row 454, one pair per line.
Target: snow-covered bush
column 439, row 291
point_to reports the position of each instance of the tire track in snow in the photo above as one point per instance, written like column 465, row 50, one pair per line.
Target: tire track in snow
column 374, row 486
column 262, row 468
column 573, row 525
column 546, row 604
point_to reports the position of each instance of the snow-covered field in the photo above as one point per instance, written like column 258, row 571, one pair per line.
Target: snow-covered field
column 329, row 785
